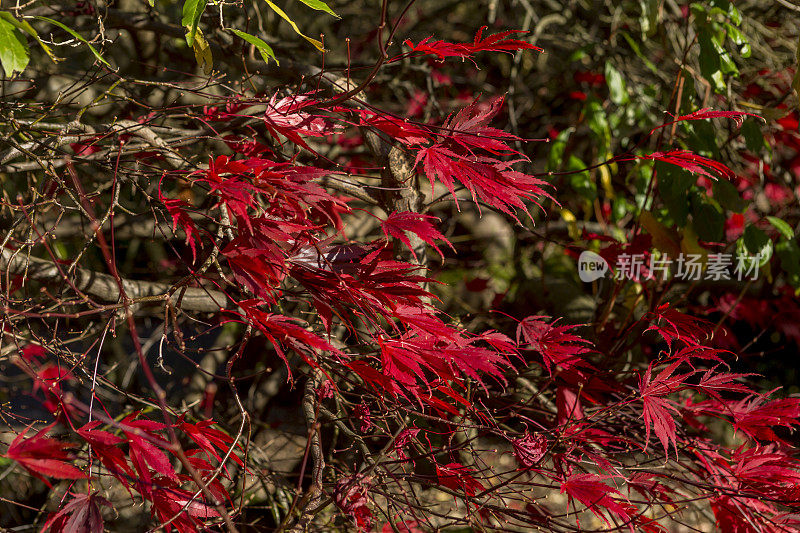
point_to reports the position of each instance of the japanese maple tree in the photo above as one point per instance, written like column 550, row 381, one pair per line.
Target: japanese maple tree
column 244, row 287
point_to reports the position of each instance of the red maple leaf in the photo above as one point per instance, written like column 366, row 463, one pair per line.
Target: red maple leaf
column 656, row 408
column 692, row 162
column 104, row 446
column 169, row 500
column 176, row 209
column 43, row 456
column 210, row 439
column 529, row 449
column 470, row 128
column 568, row 405
column 706, row 113
column 146, row 451
column 458, row 477
column 80, row 515
column 673, row 325
column 590, row 490
column 556, row 344
column 487, row 179
column 283, row 331
column 350, row 495
column 405, row 131
column 398, row 223
column 499, row 42
column 756, row 416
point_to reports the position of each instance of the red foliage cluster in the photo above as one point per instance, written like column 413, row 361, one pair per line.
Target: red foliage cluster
column 282, row 238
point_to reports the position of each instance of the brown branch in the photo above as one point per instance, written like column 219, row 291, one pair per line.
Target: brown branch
column 104, row 286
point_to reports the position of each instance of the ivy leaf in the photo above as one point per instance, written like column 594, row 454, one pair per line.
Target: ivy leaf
column 77, row 36
column 281, row 13
column 263, row 48
column 192, row 10
column 319, row 5
column 13, row 49
column 726, row 7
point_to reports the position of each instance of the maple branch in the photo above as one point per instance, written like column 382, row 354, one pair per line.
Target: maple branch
column 144, row 132
column 105, row 287
column 354, row 189
column 315, row 493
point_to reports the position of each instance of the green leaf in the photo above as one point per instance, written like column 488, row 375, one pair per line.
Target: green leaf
column 674, row 184
column 689, row 93
column 319, row 5
column 192, row 10
column 753, row 138
column 789, row 254
column 757, row 242
column 796, row 79
column 636, row 50
column 597, row 120
column 726, row 63
column 710, row 61
column 557, row 148
column 727, row 8
column 23, row 25
column 649, row 18
column 264, row 49
column 617, row 90
column 281, row 13
column 77, row 36
column 785, row 229
column 728, row 196
column 708, row 222
column 738, row 38
column 13, row 49
column 702, row 138
column 581, row 181
column 620, row 208
column 202, row 52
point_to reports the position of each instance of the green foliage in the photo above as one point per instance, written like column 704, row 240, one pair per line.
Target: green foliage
column 77, row 36
column 263, row 48
column 14, row 53
column 319, row 5
column 192, row 11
